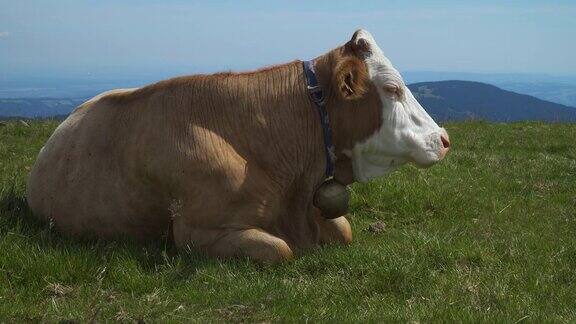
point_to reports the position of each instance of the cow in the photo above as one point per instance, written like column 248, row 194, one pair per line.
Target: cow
column 228, row 164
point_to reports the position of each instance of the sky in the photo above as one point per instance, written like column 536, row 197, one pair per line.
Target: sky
column 126, row 38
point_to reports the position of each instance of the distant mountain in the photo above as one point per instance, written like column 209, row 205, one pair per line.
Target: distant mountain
column 555, row 88
column 37, row 107
column 461, row 100
column 444, row 100
column 490, row 78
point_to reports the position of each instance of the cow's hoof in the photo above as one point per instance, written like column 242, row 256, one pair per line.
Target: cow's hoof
column 270, row 251
column 334, row 231
column 252, row 243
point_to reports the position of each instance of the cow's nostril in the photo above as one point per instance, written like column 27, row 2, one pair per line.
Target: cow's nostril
column 445, row 141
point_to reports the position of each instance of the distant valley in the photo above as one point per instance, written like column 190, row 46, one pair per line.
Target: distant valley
column 555, row 92
column 37, row 107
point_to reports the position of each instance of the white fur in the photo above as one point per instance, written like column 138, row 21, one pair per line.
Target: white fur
column 407, row 134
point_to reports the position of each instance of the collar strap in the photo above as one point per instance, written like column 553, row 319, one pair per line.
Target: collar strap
column 317, row 95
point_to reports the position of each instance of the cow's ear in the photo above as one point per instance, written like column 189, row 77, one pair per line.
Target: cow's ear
column 351, row 78
column 358, row 43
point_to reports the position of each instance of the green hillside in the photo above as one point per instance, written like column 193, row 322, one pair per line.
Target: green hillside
column 487, row 235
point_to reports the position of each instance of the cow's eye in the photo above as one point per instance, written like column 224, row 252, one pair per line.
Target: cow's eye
column 392, row 90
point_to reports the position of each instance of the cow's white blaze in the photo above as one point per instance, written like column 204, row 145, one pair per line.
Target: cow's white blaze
column 407, row 134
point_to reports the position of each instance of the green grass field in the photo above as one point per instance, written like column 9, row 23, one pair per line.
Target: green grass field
column 487, row 235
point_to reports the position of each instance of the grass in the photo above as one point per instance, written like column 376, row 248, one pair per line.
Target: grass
column 488, row 235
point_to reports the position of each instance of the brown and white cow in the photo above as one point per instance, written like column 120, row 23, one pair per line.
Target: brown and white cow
column 229, row 163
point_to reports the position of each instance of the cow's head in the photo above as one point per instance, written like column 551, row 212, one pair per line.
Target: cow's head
column 405, row 132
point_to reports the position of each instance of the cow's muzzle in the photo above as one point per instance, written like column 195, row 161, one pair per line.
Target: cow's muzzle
column 445, row 140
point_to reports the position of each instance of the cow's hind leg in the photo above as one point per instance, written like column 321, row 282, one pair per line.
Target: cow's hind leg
column 334, row 231
column 225, row 243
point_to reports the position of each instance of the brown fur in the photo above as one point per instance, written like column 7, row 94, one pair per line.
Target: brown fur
column 230, row 160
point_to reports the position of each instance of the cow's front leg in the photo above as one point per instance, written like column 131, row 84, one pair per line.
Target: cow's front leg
column 334, row 231
column 225, row 243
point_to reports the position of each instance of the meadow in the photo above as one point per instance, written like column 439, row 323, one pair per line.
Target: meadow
column 489, row 235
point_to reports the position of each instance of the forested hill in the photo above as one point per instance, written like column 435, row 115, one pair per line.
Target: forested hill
column 463, row 100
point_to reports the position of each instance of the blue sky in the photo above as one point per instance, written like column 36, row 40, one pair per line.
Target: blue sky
column 132, row 37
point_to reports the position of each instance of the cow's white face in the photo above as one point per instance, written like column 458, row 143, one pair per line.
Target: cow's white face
column 407, row 134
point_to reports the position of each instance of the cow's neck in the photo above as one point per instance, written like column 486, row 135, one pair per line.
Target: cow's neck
column 352, row 121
